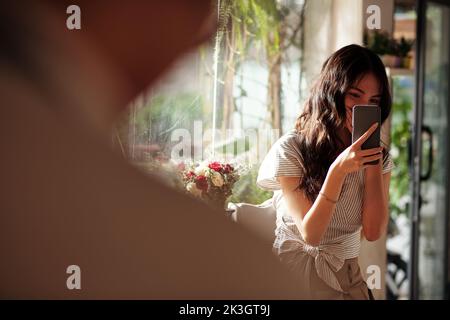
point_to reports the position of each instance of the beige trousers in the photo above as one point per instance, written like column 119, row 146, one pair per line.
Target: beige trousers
column 349, row 277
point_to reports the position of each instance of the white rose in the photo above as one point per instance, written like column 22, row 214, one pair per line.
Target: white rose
column 192, row 188
column 200, row 170
column 217, row 179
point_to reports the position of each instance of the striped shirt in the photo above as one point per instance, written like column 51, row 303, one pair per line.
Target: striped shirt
column 342, row 238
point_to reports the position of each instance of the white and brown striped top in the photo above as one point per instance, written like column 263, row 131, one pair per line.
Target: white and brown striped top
column 342, row 238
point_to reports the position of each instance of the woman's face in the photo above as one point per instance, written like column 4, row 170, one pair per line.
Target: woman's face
column 366, row 91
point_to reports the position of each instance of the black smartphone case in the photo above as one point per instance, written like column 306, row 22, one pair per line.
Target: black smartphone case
column 364, row 116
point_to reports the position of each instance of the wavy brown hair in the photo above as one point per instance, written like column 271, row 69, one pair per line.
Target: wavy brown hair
column 324, row 112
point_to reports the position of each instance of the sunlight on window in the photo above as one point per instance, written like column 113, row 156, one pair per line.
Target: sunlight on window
column 227, row 101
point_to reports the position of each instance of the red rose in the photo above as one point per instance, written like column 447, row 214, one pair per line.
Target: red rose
column 228, row 168
column 201, row 183
column 216, row 166
column 190, row 175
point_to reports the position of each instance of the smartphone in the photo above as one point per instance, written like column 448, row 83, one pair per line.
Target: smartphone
column 363, row 117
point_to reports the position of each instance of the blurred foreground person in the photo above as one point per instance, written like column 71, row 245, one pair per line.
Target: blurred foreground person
column 68, row 199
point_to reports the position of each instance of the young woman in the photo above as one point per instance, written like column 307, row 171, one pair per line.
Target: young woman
column 326, row 194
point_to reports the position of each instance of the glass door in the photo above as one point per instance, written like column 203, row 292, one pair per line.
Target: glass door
column 431, row 158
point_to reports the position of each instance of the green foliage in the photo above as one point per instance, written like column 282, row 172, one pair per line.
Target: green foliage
column 382, row 43
column 224, row 14
column 256, row 24
column 246, row 190
column 155, row 121
column 400, row 135
column 261, row 20
column 378, row 41
column 404, row 47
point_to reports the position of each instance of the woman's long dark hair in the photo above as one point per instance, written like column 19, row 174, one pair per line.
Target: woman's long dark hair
column 324, row 111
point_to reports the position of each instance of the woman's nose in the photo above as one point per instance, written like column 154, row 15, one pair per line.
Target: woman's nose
column 365, row 101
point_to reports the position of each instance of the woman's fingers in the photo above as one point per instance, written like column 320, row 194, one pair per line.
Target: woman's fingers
column 369, row 152
column 358, row 143
column 371, row 158
column 349, row 118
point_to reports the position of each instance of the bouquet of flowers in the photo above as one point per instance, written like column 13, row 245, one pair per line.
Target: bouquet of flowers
column 211, row 181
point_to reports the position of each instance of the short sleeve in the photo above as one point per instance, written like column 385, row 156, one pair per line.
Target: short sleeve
column 388, row 163
column 282, row 160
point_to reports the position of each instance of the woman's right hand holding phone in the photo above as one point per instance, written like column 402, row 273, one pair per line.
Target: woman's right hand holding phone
column 354, row 158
